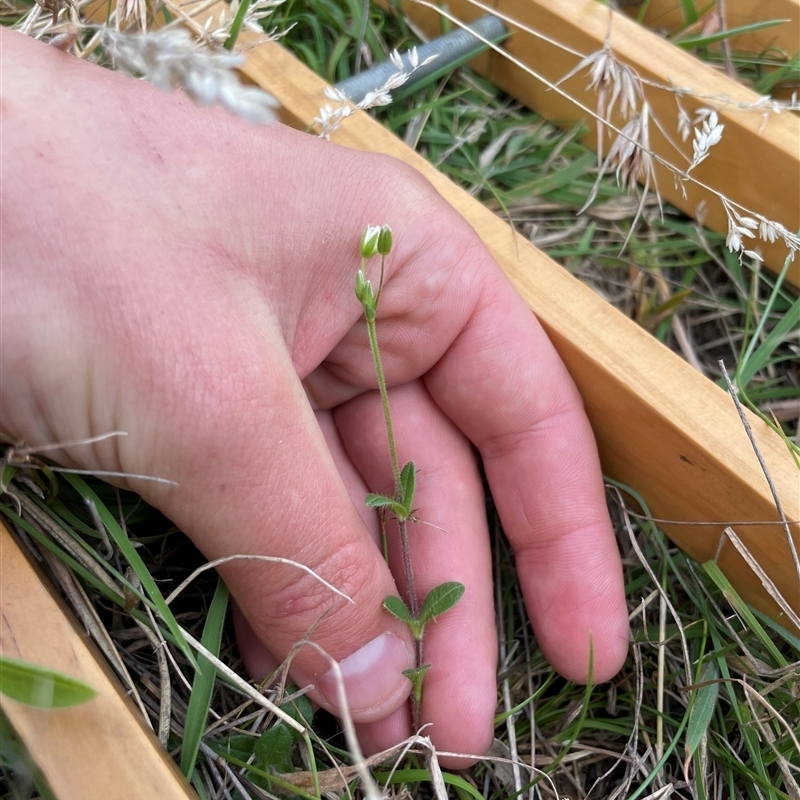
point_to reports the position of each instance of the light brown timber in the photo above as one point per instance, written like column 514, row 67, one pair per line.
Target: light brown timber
column 757, row 162
column 667, row 15
column 662, row 428
column 99, row 750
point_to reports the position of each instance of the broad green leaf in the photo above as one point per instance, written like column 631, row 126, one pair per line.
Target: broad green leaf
column 299, row 709
column 397, row 608
column 440, row 599
column 204, row 679
column 274, row 748
column 702, row 710
column 408, row 483
column 41, row 687
column 236, row 746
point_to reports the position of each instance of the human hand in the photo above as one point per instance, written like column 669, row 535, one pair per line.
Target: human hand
column 173, row 273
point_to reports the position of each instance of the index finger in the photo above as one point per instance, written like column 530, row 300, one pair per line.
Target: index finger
column 502, row 382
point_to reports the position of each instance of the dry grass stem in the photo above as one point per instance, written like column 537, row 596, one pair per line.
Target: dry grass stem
column 252, row 557
column 676, row 617
column 749, row 431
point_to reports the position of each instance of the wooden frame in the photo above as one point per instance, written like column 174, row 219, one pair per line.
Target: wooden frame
column 662, row 428
column 668, row 15
column 96, row 751
column 757, row 163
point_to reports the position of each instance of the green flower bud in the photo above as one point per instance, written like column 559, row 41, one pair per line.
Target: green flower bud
column 385, row 241
column 369, row 241
column 365, row 295
column 363, row 287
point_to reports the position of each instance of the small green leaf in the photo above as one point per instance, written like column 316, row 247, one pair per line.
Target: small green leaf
column 397, row 608
column 408, row 483
column 382, row 501
column 378, row 500
column 440, row 599
column 417, row 674
column 41, row 687
column 274, row 748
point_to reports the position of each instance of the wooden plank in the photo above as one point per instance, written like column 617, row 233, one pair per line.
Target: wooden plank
column 662, row 427
column 757, row 163
column 100, row 750
column 667, row 15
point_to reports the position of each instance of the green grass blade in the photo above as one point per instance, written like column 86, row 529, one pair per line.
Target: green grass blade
column 402, row 776
column 134, row 559
column 74, row 565
column 689, row 12
column 702, row 709
column 725, row 586
column 236, row 25
column 759, row 357
column 204, row 679
column 730, row 33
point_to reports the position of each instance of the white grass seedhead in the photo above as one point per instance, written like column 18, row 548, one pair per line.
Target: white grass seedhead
column 612, row 81
column 170, row 59
column 707, row 134
column 329, row 118
column 630, row 154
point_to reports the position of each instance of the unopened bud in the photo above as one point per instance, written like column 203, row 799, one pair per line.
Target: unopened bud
column 365, row 295
column 363, row 287
column 385, row 241
column 369, row 241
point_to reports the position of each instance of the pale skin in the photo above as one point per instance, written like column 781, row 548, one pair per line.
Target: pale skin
column 176, row 274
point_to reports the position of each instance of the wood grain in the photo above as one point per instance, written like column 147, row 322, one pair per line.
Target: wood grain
column 668, row 15
column 662, row 428
column 99, row 750
column 757, row 163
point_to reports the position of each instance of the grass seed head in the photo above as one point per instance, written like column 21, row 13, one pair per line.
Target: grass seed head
column 170, row 59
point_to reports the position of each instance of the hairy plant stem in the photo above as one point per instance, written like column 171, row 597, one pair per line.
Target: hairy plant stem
column 402, row 524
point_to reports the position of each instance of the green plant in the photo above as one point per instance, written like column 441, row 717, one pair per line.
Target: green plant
column 378, row 241
column 39, row 686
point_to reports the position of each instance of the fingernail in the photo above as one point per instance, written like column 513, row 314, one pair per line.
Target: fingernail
column 372, row 678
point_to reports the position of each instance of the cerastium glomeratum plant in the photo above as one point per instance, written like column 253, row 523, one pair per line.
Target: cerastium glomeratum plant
column 378, row 241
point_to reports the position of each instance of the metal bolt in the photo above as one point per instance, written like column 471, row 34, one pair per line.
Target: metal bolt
column 453, row 50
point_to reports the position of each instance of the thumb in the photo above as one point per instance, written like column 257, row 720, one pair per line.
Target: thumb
column 292, row 504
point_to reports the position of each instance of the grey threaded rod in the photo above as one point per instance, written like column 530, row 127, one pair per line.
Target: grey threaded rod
column 453, row 49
